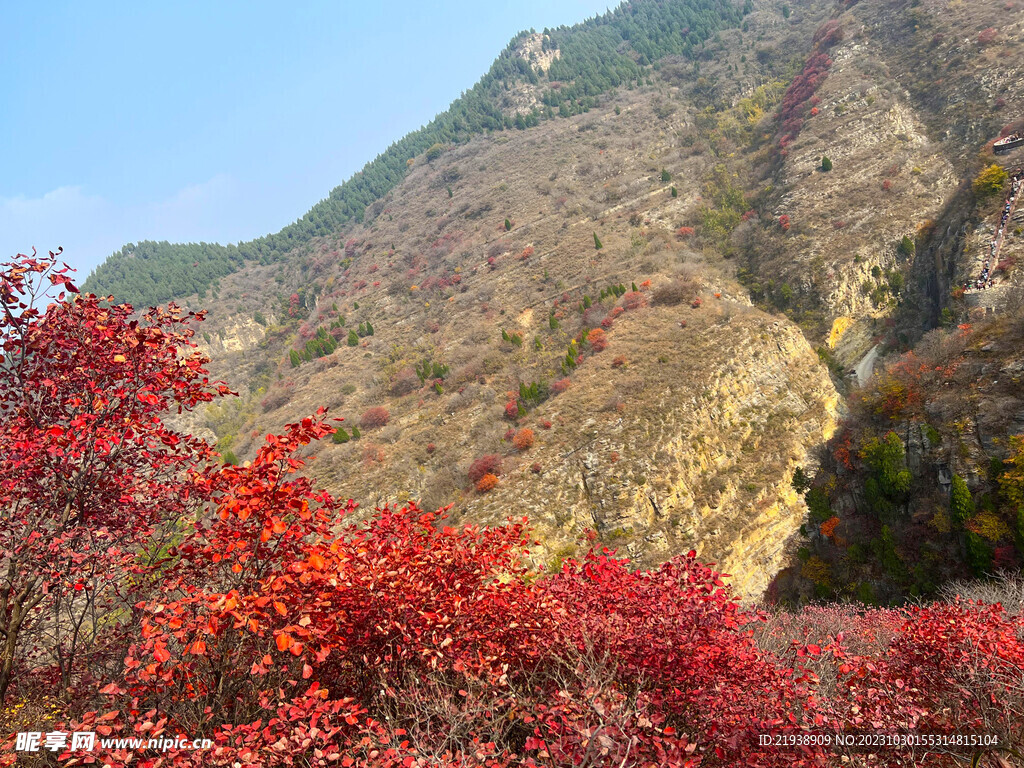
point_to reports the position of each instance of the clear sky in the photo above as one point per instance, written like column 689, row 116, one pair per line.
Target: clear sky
column 219, row 121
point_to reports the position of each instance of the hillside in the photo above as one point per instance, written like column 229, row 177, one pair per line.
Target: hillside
column 619, row 275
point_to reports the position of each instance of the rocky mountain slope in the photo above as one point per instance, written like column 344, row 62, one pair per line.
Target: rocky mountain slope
column 634, row 316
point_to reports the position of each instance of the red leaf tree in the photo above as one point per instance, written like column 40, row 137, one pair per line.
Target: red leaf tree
column 89, row 471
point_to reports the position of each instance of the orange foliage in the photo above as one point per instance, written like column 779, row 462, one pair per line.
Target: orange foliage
column 486, row 483
column 523, row 439
column 828, row 528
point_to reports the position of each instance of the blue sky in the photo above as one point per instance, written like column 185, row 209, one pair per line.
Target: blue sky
column 219, row 121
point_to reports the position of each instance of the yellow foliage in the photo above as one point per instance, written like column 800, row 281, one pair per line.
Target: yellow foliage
column 989, row 525
column 1011, row 481
column 941, row 522
column 839, row 327
column 990, row 181
column 817, row 570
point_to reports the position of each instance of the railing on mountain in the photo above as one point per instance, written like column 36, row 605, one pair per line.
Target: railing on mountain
column 1008, row 143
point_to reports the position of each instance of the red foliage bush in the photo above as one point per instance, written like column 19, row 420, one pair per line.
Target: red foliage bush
column 486, row 483
column 489, row 464
column 684, row 232
column 597, row 339
column 373, row 454
column 523, row 439
column 619, row 362
column 697, row 303
column 828, row 34
column 545, row 424
column 431, row 447
column 987, row 36
column 784, row 222
column 377, row 416
column 560, row 386
column 803, row 87
column 511, row 410
column 634, row 300
column 535, row 468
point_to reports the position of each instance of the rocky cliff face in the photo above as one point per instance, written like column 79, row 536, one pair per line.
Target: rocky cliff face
column 900, row 98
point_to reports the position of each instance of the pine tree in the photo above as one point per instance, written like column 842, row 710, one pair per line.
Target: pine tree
column 369, row 328
column 341, row 436
column 296, row 360
column 587, row 303
column 508, row 225
column 826, row 163
column 675, row 193
column 356, row 434
column 633, row 285
column 665, row 176
column 353, row 338
column 597, row 242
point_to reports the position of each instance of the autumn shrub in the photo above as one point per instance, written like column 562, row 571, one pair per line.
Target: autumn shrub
column 374, row 417
column 990, row 182
column 597, row 339
column 674, row 292
column 373, row 454
column 619, row 362
column 486, row 483
column 405, row 382
column 278, row 396
column 511, row 410
column 489, row 464
column 523, row 439
column 560, row 386
column 987, row 36
column 634, row 300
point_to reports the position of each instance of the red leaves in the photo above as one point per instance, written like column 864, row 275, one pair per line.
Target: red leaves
column 377, row 416
column 487, row 464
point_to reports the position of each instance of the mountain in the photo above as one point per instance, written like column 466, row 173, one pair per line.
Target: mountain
column 562, row 72
column 619, row 286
